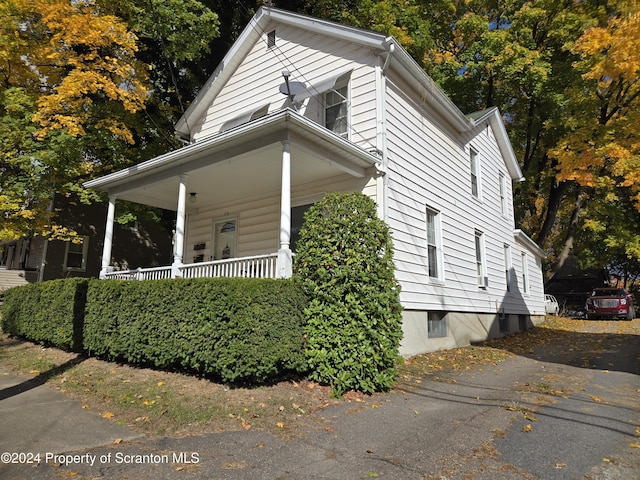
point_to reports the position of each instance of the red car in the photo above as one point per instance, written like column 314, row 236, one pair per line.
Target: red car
column 610, row 303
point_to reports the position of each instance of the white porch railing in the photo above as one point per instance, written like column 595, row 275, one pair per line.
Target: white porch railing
column 154, row 273
column 258, row 266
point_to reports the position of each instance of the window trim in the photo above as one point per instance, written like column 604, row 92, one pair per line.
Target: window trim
column 481, row 267
column 474, row 170
column 525, row 273
column 437, row 233
column 502, row 178
column 85, row 251
column 508, row 267
column 341, row 83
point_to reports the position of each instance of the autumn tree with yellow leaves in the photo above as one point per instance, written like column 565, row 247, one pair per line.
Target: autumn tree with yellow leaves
column 601, row 150
column 77, row 80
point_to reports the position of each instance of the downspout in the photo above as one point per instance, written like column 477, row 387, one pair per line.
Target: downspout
column 382, row 95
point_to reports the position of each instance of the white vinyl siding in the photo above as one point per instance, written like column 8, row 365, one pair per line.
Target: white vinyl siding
column 424, row 155
column 309, row 57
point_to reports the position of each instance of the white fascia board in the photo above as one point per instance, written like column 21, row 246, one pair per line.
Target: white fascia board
column 525, row 240
column 251, row 33
column 283, row 119
column 441, row 102
column 324, row 27
column 502, row 137
column 256, row 27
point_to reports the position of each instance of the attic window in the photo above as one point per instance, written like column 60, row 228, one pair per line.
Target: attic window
column 271, row 39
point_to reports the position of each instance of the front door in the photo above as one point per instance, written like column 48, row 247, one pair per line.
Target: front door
column 224, row 238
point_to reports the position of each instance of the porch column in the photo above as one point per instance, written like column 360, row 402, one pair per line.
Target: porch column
column 284, row 261
column 108, row 237
column 178, row 248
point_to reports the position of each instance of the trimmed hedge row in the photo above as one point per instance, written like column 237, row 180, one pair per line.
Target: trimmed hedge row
column 49, row 313
column 238, row 330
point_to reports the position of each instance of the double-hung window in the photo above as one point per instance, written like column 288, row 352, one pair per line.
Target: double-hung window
column 525, row 273
column 336, row 110
column 474, row 167
column 503, row 193
column 507, row 266
column 434, row 248
column 480, row 265
column 75, row 255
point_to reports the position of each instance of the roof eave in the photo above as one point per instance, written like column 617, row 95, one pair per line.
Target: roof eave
column 192, row 151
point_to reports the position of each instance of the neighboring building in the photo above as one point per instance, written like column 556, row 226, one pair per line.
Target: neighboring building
column 300, row 107
column 33, row 259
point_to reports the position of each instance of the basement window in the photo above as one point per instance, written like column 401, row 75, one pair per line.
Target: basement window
column 436, row 324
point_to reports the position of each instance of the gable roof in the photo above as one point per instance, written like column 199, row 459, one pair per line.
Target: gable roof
column 397, row 57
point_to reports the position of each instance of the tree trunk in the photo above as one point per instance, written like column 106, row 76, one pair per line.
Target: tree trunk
column 555, row 199
column 579, row 206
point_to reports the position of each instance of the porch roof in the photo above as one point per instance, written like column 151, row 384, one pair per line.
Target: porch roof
column 241, row 162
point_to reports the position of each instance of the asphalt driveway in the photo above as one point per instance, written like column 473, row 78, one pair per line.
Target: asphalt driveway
column 566, row 409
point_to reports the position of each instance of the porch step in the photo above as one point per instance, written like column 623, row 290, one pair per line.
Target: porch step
column 13, row 278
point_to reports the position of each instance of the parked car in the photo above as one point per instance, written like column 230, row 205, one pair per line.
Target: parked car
column 551, row 305
column 610, row 303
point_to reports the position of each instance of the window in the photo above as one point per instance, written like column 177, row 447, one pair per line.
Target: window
column 75, row 255
column 480, row 267
column 297, row 219
column 503, row 193
column 525, row 273
column 335, row 110
column 271, row 39
column 433, row 244
column 436, row 325
column 475, row 173
column 507, row 266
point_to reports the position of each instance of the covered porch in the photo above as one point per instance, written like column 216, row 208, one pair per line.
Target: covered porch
column 234, row 194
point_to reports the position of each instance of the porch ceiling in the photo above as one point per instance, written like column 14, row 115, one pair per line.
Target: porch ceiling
column 240, row 163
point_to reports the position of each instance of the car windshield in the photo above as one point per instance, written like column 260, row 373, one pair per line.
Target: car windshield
column 609, row 293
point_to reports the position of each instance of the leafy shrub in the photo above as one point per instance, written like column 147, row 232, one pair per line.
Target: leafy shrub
column 345, row 260
column 49, row 313
column 238, row 330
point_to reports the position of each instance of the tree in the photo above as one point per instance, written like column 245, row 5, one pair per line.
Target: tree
column 353, row 323
column 600, row 150
column 68, row 74
column 92, row 92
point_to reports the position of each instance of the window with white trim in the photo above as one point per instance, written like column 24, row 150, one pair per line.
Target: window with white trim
column 507, row 266
column 434, row 245
column 75, row 254
column 436, row 324
column 480, row 264
column 474, row 166
column 503, row 193
column 336, row 110
column 525, row 273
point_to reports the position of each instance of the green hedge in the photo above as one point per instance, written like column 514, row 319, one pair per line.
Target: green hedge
column 49, row 313
column 238, row 330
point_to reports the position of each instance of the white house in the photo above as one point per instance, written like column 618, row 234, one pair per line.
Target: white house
column 300, row 107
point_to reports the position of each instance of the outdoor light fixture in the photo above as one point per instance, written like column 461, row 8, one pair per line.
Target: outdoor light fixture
column 192, row 197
